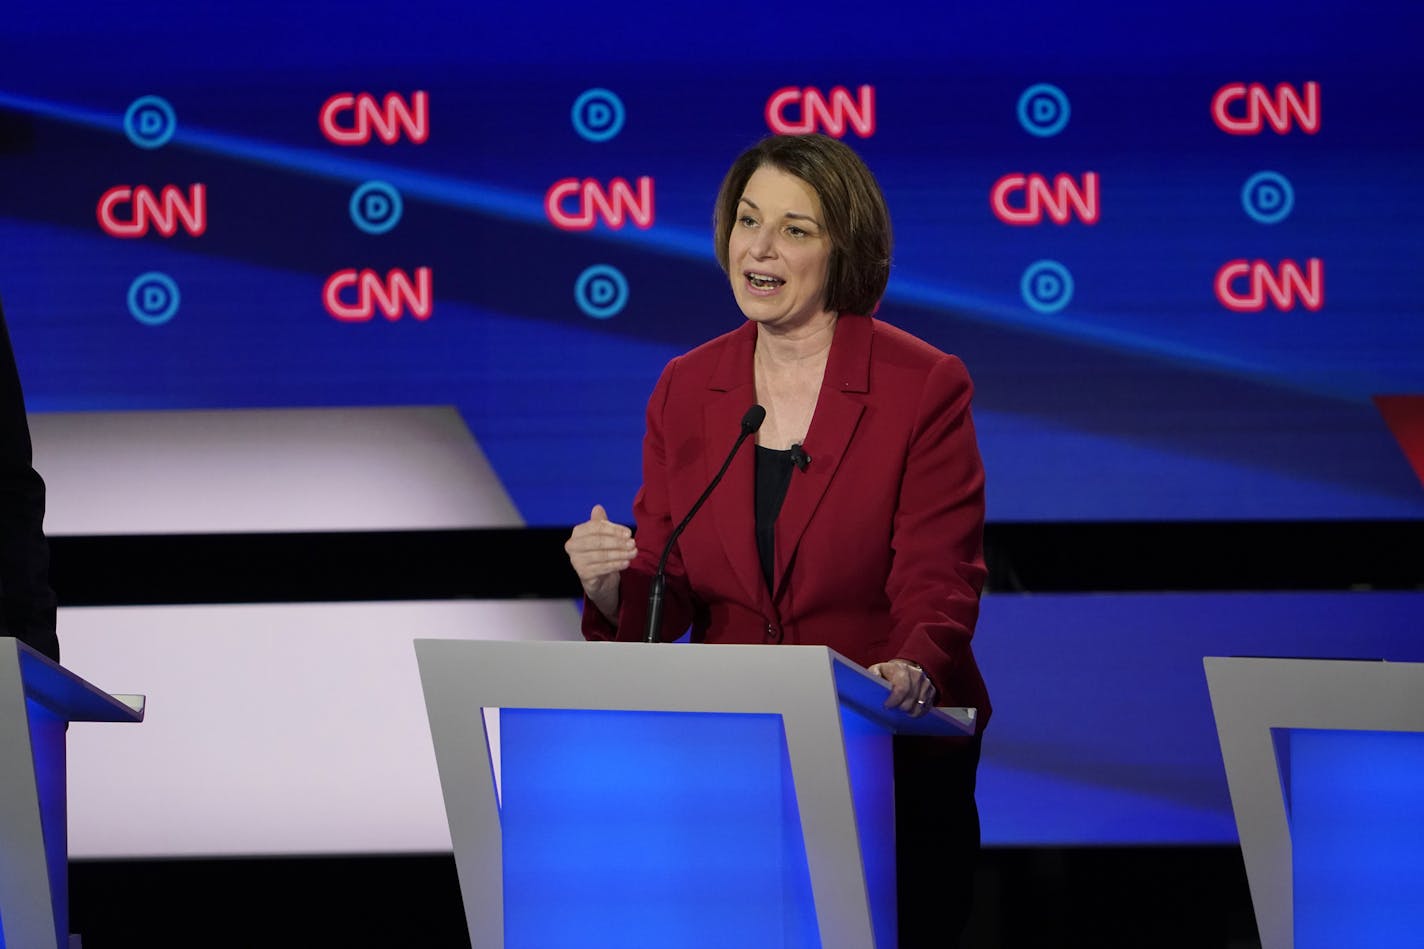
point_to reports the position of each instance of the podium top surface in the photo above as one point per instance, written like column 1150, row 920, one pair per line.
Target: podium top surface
column 1289, row 692
column 674, row 677
column 66, row 694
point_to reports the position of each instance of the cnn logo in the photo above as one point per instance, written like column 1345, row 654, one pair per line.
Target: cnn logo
column 1027, row 199
column 574, row 205
column 355, row 296
column 832, row 113
column 354, row 119
column 130, row 212
column 1239, row 108
column 1246, row 286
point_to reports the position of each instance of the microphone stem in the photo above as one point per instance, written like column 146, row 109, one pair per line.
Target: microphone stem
column 655, row 594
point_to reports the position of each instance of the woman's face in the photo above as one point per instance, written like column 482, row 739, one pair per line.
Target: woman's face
column 778, row 254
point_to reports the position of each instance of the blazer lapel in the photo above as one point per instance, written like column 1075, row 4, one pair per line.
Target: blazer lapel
column 838, row 410
column 733, row 502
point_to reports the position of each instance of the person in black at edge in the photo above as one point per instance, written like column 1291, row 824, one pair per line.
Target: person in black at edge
column 27, row 604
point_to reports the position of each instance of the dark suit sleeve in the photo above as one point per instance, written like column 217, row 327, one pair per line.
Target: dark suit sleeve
column 938, row 570
column 27, row 604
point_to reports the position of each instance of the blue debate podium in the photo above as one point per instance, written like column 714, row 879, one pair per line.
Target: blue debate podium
column 1325, row 763
column 668, row 794
column 38, row 700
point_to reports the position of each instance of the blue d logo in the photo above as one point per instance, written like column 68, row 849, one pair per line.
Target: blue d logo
column 376, row 207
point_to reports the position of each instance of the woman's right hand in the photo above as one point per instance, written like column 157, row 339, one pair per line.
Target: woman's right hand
column 599, row 551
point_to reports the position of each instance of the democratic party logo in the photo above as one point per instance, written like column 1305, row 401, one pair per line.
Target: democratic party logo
column 1027, row 199
column 576, row 205
column 153, row 298
column 1043, row 110
column 1046, row 286
column 376, row 207
column 601, row 291
column 1246, row 286
column 149, row 122
column 1240, row 108
column 355, row 296
column 125, row 211
column 1268, row 197
column 797, row 111
column 355, row 118
column 598, row 115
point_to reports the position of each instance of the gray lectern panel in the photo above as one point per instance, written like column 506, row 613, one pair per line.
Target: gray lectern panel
column 37, row 698
column 805, row 685
column 1249, row 698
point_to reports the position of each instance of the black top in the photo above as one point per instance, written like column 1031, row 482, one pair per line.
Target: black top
column 773, row 477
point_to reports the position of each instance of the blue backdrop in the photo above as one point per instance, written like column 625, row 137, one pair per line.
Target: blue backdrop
column 1142, row 395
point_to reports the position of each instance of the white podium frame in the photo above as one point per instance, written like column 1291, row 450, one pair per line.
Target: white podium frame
column 1252, row 696
column 805, row 685
column 38, row 700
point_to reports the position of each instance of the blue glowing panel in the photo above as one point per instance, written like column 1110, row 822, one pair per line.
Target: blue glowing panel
column 651, row 829
column 869, row 757
column 1356, row 805
column 47, row 754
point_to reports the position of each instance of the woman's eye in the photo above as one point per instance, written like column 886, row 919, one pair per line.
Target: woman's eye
column 747, row 220
column 795, row 231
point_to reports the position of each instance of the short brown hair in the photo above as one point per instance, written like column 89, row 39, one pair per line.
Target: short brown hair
column 851, row 202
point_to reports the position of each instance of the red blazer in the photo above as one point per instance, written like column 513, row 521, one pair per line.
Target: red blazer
column 879, row 549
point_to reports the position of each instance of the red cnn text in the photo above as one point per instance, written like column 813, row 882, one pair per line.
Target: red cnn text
column 352, row 119
column 1249, row 109
column 574, row 205
column 1246, row 286
column 355, row 296
column 1027, row 199
column 130, row 212
column 831, row 113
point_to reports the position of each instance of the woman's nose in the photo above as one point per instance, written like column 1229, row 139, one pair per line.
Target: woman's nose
column 762, row 244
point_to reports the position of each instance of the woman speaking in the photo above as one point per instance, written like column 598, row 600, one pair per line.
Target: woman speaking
column 856, row 521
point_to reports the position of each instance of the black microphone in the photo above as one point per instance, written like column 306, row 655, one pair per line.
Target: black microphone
column 799, row 458
column 750, row 423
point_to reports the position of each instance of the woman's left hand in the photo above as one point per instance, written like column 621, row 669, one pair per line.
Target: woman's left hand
column 911, row 691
